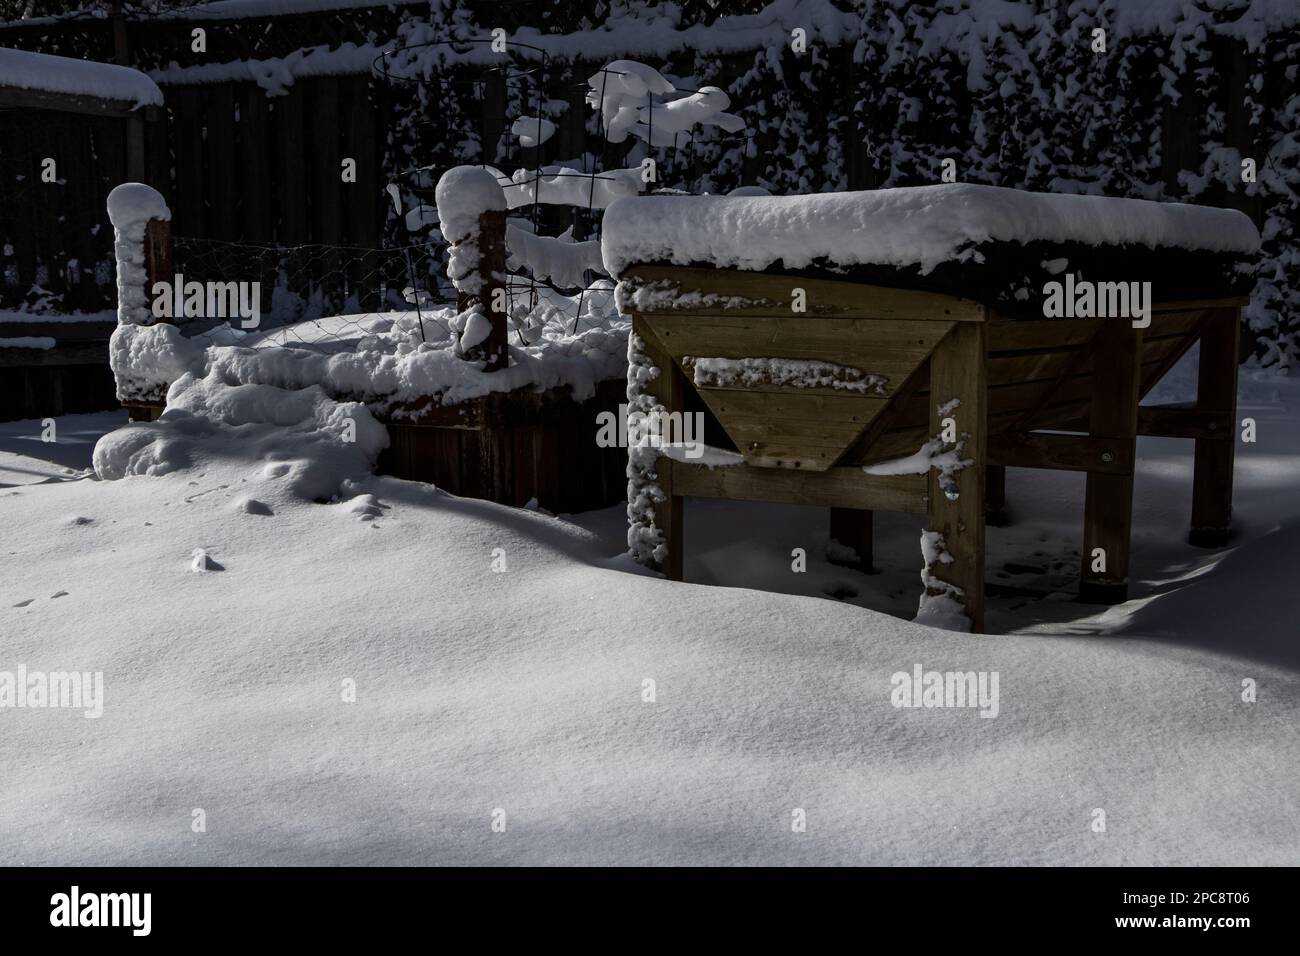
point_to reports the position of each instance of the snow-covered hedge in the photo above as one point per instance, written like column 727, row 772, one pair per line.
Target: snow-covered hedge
column 884, row 91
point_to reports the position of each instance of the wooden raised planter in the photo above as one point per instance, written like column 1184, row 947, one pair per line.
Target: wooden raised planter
column 511, row 447
column 1017, row 386
column 507, row 447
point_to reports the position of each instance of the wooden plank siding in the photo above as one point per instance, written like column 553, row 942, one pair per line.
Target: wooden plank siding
column 248, row 167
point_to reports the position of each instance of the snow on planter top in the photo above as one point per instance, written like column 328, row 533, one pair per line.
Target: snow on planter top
column 909, row 226
column 22, row 70
column 987, row 243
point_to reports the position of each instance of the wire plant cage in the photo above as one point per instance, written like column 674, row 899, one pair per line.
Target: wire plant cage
column 527, row 80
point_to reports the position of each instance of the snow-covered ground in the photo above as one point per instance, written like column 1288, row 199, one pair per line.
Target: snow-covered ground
column 523, row 689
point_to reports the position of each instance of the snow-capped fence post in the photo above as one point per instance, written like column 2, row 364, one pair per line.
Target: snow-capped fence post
column 472, row 217
column 158, row 255
column 146, row 353
column 142, row 246
column 493, row 296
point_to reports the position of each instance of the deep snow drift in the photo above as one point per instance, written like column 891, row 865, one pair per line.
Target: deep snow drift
column 500, row 657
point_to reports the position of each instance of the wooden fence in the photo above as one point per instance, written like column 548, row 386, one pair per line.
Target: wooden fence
column 246, row 166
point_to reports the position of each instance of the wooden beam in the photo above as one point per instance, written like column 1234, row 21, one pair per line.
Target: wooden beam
column 76, row 353
column 669, row 389
column 14, row 98
column 1187, row 305
column 890, row 348
column 1061, row 452
column 864, row 450
column 286, row 119
column 772, row 295
column 144, row 411
column 429, row 413
column 1108, row 501
column 1066, row 370
column 1184, row 420
column 158, row 252
column 63, row 332
column 844, row 487
column 1216, row 395
column 135, row 152
column 255, row 166
column 223, row 164
column 958, row 373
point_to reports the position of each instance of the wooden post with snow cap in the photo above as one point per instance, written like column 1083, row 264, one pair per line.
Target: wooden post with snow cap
column 158, row 255
column 142, row 246
column 472, row 217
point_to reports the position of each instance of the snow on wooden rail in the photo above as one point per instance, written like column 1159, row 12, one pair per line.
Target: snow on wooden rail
column 50, row 81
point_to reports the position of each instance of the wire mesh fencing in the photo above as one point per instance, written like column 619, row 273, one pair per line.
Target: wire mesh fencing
column 314, row 296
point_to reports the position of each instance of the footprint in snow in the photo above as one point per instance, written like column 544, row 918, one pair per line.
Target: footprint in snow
column 277, row 470
column 25, row 603
column 79, row 519
column 58, row 594
column 202, row 561
column 368, row 507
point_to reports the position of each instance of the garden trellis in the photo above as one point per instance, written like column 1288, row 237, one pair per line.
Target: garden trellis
column 563, row 265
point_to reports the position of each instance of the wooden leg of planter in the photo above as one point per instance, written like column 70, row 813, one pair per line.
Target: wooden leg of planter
column 851, row 528
column 958, row 371
column 668, row 516
column 995, row 495
column 669, row 389
column 1108, row 503
column 1216, row 391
